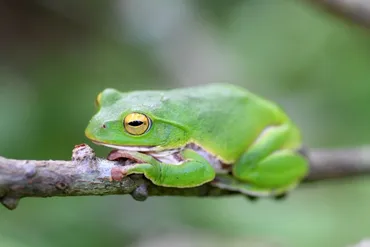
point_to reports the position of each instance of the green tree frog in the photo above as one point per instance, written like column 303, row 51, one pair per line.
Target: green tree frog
column 217, row 133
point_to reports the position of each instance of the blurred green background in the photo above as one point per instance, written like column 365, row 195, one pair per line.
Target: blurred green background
column 55, row 56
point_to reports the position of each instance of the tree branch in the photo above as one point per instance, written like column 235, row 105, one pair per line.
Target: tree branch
column 86, row 174
column 356, row 11
column 338, row 163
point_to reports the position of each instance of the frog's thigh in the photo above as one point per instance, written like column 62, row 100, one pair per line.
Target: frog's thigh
column 280, row 169
column 272, row 139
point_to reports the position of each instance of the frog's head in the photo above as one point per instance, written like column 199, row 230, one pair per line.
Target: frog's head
column 137, row 121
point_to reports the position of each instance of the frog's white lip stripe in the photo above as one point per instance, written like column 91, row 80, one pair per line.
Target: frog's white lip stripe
column 129, row 148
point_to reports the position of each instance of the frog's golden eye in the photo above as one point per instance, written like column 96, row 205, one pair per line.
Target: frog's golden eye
column 136, row 123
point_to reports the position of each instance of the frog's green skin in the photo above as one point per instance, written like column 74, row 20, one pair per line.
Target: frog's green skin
column 252, row 135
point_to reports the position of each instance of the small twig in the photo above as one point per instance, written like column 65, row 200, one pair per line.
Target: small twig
column 88, row 175
column 356, row 11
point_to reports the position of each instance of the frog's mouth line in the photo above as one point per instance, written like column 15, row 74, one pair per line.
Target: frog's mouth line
column 129, row 148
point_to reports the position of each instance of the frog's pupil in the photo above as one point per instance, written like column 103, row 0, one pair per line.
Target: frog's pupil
column 135, row 123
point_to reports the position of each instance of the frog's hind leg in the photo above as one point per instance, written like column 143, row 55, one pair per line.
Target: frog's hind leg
column 272, row 165
column 228, row 182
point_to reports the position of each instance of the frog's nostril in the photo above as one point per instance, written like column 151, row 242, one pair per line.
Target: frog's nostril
column 104, row 126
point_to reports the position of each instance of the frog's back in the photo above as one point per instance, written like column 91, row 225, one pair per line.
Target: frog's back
column 225, row 119
column 210, row 92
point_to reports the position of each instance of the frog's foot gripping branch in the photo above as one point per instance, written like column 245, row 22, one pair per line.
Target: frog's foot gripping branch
column 86, row 174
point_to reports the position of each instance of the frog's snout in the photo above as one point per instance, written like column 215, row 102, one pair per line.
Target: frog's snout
column 88, row 133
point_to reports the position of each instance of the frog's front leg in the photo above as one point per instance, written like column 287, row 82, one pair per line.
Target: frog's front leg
column 192, row 172
column 272, row 165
